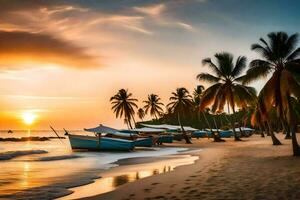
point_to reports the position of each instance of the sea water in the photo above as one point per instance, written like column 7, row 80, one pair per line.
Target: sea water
column 40, row 169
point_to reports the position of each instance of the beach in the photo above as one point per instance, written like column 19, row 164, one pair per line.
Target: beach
column 252, row 169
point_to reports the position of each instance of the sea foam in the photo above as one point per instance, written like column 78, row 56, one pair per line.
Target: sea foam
column 13, row 154
column 53, row 158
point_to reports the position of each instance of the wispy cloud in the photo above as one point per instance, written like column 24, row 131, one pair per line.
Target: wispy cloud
column 186, row 26
column 134, row 23
column 153, row 10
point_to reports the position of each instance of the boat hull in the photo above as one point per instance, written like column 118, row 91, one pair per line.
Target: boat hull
column 226, row 134
column 104, row 144
column 144, row 142
column 201, row 134
column 165, row 139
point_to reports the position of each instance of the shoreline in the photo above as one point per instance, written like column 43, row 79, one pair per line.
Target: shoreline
column 130, row 170
column 97, row 164
column 252, row 169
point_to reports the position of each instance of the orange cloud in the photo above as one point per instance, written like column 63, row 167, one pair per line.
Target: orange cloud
column 27, row 48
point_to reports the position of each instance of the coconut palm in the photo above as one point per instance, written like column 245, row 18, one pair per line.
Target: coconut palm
column 181, row 103
column 280, row 60
column 198, row 91
column 153, row 105
column 124, row 105
column 226, row 85
column 141, row 113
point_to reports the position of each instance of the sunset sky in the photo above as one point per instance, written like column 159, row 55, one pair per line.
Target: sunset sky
column 61, row 61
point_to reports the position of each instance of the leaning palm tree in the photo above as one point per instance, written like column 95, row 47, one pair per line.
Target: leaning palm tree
column 280, row 60
column 124, row 105
column 198, row 91
column 181, row 103
column 227, row 87
column 153, row 104
column 141, row 114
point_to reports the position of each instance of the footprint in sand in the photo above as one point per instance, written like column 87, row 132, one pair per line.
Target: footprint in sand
column 147, row 190
column 155, row 183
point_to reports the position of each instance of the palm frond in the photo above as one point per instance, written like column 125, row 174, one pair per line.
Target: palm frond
column 208, row 78
column 209, row 96
column 225, row 63
column 212, row 66
column 239, row 66
column 258, row 69
column 294, row 55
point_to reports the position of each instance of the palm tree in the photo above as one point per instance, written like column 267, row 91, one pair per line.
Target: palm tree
column 198, row 91
column 181, row 103
column 123, row 105
column 227, row 86
column 153, row 105
column 141, row 113
column 280, row 60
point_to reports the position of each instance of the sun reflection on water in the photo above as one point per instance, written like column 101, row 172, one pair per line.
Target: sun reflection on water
column 26, row 171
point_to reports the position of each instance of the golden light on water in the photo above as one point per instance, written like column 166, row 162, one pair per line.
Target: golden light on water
column 29, row 117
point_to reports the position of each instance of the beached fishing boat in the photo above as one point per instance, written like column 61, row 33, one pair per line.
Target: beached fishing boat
column 201, row 134
column 100, row 143
column 144, row 142
column 158, row 136
column 165, row 139
column 174, row 131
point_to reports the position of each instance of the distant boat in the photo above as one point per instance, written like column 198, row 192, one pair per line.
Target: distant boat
column 9, row 131
column 100, row 143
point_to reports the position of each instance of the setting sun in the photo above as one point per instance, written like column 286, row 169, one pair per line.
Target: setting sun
column 28, row 117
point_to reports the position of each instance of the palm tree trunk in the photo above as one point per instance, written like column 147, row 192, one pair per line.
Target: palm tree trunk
column 207, row 123
column 217, row 137
column 216, row 126
column 274, row 138
column 292, row 123
column 236, row 138
column 287, row 130
column 261, row 131
column 296, row 148
column 129, row 122
column 185, row 136
column 134, row 121
column 266, row 129
column 241, row 131
column 283, row 127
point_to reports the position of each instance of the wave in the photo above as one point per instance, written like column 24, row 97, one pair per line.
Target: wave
column 13, row 154
column 53, row 158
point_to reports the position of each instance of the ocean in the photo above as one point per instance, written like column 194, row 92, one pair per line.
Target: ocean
column 46, row 169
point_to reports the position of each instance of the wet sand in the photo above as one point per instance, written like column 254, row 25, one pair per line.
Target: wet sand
column 252, row 169
column 129, row 170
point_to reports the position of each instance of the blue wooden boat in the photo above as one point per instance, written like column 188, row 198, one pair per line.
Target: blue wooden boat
column 201, row 134
column 100, row 143
column 165, row 139
column 144, row 142
column 226, row 134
